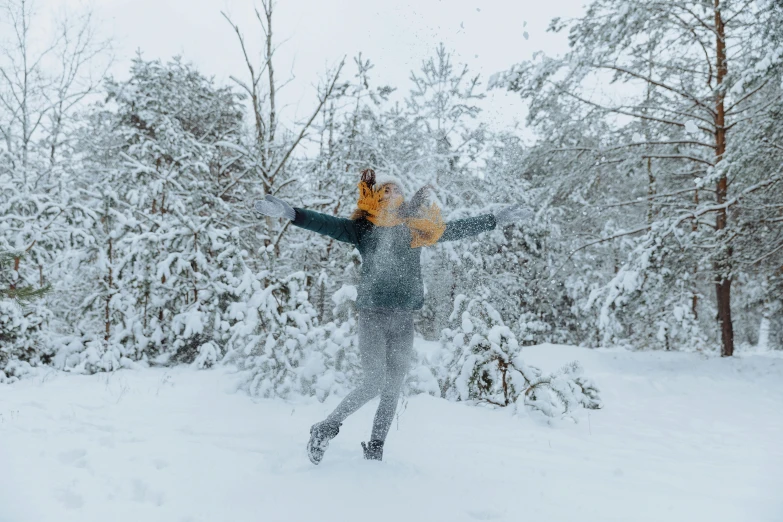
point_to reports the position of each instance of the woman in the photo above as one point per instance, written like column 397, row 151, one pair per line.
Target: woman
column 388, row 232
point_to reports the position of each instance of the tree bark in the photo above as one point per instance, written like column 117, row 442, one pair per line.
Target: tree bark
column 271, row 71
column 108, row 294
column 694, row 228
column 722, row 266
column 16, row 269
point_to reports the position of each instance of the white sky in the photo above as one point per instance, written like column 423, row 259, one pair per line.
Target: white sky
column 395, row 35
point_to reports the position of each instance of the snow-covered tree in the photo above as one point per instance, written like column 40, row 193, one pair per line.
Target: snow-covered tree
column 290, row 353
column 46, row 68
column 168, row 256
column 695, row 74
column 22, row 344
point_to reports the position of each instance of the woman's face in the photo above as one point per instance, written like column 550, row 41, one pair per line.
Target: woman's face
column 390, row 191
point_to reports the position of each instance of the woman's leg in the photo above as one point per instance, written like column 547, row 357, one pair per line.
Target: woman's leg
column 372, row 348
column 399, row 350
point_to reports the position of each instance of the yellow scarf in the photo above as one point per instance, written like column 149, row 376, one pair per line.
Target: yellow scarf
column 426, row 226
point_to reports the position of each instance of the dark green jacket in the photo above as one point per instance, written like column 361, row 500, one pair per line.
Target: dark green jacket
column 391, row 269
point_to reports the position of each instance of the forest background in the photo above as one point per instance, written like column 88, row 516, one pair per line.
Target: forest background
column 648, row 151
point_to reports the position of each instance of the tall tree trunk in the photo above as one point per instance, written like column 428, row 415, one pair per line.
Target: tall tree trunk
column 651, row 189
column 722, row 265
column 694, row 228
column 108, row 295
column 16, row 269
column 271, row 71
column 194, row 265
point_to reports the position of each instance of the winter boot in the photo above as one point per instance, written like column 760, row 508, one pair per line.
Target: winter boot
column 320, row 435
column 373, row 450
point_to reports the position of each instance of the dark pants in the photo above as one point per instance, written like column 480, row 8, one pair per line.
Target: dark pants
column 386, row 347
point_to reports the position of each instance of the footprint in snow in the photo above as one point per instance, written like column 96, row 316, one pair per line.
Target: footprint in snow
column 485, row 514
column 74, row 457
column 70, row 499
column 106, row 442
column 141, row 492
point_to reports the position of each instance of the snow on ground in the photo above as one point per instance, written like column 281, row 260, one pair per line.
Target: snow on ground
column 682, row 437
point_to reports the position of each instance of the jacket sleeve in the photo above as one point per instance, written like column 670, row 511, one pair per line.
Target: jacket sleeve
column 340, row 229
column 462, row 228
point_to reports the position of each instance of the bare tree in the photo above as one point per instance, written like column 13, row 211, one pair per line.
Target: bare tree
column 271, row 148
column 42, row 81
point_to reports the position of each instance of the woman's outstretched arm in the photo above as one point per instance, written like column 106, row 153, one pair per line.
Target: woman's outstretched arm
column 462, row 228
column 340, row 229
column 334, row 227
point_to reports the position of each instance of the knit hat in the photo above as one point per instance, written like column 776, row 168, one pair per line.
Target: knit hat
column 386, row 179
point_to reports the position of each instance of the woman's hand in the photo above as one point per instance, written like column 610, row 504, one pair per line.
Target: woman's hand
column 274, row 207
column 512, row 214
column 421, row 196
column 368, row 176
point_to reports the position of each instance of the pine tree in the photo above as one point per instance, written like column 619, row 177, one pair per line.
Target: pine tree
column 169, row 254
column 20, row 322
column 289, row 353
column 46, row 78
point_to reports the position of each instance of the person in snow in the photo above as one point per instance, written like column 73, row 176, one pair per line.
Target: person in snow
column 389, row 233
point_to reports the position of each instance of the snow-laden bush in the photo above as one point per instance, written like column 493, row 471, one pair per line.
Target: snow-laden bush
column 22, row 314
column 198, row 332
column 485, row 365
column 648, row 306
column 289, row 353
column 21, row 342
